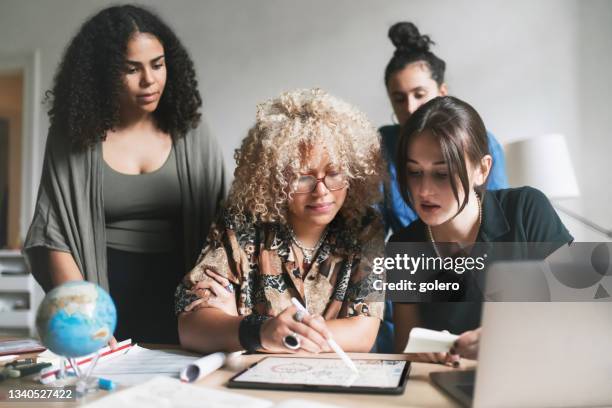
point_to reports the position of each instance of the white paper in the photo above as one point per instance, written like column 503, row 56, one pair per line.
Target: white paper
column 140, row 364
column 8, row 359
column 164, row 392
column 47, row 375
column 300, row 403
column 429, row 341
column 203, row 366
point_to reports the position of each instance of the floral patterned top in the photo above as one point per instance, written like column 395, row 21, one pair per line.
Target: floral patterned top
column 259, row 260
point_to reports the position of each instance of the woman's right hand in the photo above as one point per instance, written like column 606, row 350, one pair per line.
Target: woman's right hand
column 214, row 291
column 465, row 346
column 451, row 359
column 311, row 331
column 436, row 358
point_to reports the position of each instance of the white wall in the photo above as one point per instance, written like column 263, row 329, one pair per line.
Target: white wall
column 528, row 67
column 594, row 109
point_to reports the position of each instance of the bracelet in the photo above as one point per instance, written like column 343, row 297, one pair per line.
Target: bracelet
column 249, row 331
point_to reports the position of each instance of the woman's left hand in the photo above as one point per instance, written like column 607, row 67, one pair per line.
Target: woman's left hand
column 216, row 291
column 467, row 344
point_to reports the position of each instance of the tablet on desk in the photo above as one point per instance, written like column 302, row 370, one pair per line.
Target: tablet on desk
column 324, row 374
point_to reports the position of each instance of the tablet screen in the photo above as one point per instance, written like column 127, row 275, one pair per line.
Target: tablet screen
column 324, row 372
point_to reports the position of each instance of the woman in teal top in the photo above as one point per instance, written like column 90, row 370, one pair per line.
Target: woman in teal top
column 131, row 181
column 413, row 76
column 445, row 164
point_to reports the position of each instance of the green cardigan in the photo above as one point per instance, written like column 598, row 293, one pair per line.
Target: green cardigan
column 69, row 213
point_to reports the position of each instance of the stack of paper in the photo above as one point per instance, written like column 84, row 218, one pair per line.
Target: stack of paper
column 169, row 392
column 126, row 365
column 140, row 364
column 164, row 392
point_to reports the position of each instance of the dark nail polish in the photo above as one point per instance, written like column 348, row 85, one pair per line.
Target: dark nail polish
column 455, row 364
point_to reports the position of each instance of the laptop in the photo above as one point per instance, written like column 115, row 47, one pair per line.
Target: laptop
column 538, row 354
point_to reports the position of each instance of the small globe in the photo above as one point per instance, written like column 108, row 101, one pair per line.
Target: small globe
column 76, row 318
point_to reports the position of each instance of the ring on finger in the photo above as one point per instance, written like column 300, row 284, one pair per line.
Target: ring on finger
column 292, row 341
column 299, row 316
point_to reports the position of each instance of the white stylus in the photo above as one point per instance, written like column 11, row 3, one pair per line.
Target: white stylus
column 332, row 343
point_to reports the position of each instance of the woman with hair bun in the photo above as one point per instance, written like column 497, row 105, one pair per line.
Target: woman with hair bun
column 298, row 223
column 414, row 75
column 131, row 180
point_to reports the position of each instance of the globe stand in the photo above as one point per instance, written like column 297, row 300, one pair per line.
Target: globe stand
column 84, row 384
column 64, row 378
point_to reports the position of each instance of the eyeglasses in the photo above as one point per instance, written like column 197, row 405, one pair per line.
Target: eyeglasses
column 307, row 184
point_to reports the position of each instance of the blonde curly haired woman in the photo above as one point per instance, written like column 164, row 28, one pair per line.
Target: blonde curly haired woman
column 298, row 222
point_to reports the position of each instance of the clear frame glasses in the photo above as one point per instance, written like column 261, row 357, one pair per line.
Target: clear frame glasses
column 307, row 184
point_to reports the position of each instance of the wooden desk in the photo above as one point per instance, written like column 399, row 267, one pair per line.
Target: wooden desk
column 419, row 390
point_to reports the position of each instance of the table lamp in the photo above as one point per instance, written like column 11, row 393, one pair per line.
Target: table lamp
column 544, row 162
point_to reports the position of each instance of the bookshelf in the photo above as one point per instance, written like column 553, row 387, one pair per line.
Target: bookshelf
column 20, row 295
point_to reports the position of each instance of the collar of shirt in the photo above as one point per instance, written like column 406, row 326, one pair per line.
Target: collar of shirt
column 494, row 221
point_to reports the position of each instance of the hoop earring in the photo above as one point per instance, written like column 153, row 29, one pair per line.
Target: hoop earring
column 394, row 119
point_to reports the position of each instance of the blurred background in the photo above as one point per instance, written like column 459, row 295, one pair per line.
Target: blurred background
column 530, row 69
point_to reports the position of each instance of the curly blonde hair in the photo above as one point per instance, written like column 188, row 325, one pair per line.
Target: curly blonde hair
column 277, row 148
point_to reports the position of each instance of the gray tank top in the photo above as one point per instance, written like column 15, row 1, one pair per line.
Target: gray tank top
column 143, row 211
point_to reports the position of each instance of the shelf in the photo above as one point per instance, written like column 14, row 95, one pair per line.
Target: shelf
column 10, row 253
column 19, row 283
column 17, row 318
column 13, row 262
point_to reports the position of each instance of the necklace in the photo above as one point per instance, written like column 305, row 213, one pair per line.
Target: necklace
column 430, row 234
column 308, row 252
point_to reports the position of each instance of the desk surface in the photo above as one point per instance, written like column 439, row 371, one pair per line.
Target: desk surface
column 420, row 392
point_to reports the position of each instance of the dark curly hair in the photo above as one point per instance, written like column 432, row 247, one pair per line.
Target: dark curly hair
column 411, row 46
column 84, row 101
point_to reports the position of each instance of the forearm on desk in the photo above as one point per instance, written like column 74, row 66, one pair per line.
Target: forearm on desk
column 354, row 334
column 405, row 317
column 208, row 330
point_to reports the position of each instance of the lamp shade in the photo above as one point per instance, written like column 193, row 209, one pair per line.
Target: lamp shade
column 542, row 162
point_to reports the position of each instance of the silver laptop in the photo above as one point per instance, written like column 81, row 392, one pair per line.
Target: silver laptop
column 538, row 354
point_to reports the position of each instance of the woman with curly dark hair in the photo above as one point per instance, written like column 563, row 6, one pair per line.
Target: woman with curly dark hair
column 131, row 180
